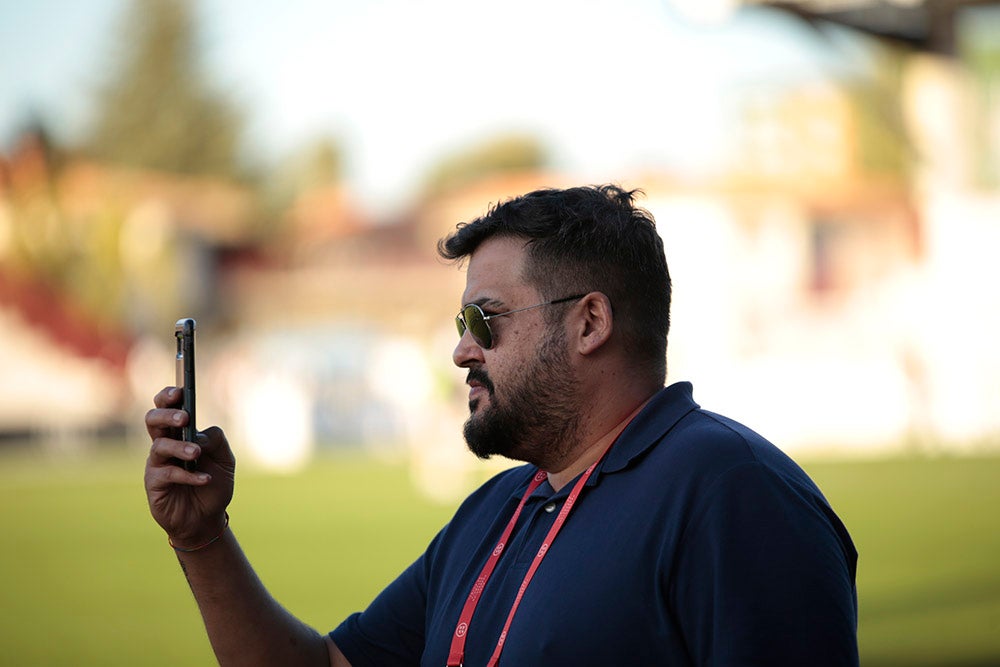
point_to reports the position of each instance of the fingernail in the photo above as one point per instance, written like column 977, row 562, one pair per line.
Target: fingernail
column 177, row 418
column 190, row 450
column 204, row 477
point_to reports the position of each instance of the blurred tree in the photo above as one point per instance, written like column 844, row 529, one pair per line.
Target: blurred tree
column 39, row 239
column 507, row 153
column 322, row 163
column 318, row 164
column 58, row 272
column 979, row 46
column 884, row 147
column 157, row 109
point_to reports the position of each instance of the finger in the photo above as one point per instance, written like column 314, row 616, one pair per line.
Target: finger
column 165, row 451
column 161, row 478
column 168, row 397
column 214, row 444
column 160, row 422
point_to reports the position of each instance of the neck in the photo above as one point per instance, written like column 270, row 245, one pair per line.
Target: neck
column 594, row 448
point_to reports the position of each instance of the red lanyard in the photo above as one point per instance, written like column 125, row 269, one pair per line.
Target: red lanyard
column 457, row 652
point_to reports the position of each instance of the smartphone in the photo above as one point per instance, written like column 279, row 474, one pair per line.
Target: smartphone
column 184, row 332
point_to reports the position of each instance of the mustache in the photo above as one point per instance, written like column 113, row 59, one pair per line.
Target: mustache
column 480, row 376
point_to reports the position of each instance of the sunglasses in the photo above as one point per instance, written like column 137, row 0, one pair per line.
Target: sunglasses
column 476, row 322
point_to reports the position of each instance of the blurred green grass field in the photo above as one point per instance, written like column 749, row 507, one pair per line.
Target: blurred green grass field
column 88, row 579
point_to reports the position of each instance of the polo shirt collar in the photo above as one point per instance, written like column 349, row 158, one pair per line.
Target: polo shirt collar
column 667, row 407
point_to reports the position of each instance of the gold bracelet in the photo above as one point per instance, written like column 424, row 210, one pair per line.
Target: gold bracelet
column 201, row 546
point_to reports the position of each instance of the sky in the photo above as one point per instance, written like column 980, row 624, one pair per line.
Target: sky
column 609, row 86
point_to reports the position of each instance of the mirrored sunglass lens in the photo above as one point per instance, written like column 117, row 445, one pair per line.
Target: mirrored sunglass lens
column 478, row 327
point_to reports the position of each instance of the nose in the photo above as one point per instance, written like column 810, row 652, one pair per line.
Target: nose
column 467, row 352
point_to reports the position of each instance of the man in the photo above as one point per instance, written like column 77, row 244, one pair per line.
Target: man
column 642, row 530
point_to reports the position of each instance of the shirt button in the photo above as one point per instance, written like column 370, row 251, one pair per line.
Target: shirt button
column 551, row 507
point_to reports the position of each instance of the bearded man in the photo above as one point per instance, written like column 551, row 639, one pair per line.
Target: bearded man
column 642, row 529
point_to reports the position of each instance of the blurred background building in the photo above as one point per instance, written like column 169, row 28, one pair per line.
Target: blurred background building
column 832, row 247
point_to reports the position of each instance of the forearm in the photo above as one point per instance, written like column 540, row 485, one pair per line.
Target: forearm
column 245, row 625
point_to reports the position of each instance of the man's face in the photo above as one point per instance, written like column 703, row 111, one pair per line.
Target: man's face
column 521, row 399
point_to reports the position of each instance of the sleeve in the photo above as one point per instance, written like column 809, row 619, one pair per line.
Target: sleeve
column 391, row 630
column 765, row 576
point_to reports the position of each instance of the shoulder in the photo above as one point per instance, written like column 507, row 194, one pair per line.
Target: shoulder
column 742, row 484
column 708, row 444
column 700, row 457
column 674, row 426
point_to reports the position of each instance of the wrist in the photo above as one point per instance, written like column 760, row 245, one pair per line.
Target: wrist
column 189, row 545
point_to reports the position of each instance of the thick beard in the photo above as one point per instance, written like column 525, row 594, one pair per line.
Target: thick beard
column 534, row 418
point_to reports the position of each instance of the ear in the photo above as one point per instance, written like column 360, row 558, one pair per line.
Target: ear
column 596, row 322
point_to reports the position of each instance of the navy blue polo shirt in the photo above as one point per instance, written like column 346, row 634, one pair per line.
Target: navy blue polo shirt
column 695, row 542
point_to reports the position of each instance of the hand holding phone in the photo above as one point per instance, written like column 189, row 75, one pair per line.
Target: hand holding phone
column 184, row 331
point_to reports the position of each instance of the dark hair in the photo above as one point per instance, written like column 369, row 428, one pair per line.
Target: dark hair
column 581, row 240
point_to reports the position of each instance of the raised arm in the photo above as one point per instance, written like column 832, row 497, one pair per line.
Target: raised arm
column 245, row 625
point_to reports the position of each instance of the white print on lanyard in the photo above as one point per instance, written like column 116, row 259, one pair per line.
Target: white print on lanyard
column 457, row 652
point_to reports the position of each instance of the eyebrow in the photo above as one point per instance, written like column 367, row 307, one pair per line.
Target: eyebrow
column 486, row 301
